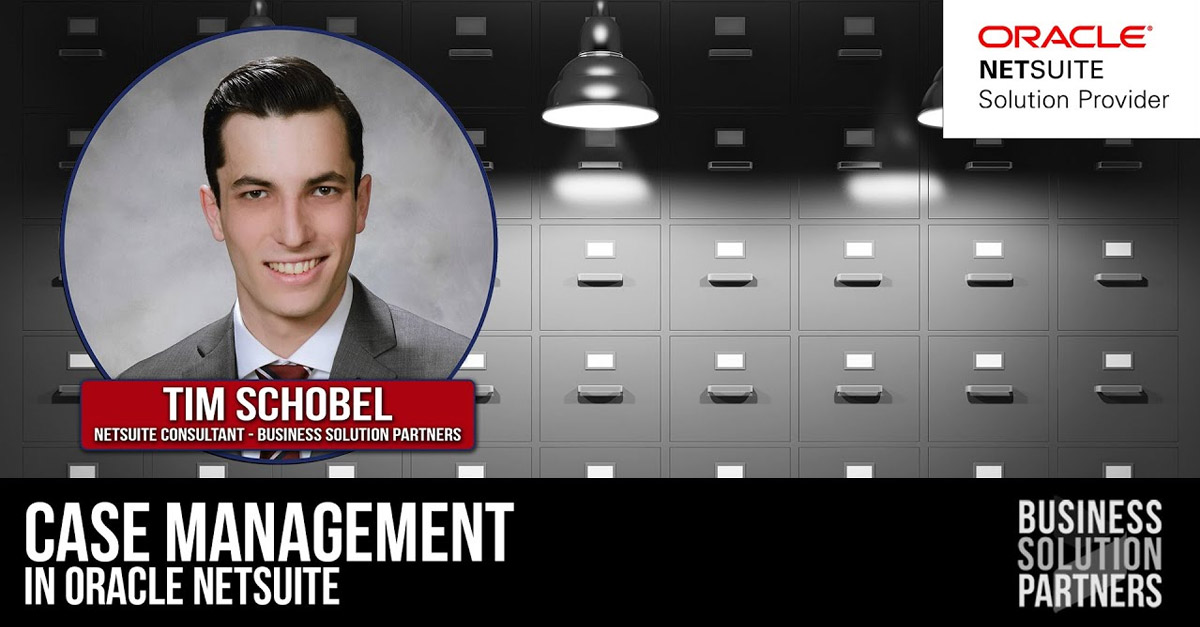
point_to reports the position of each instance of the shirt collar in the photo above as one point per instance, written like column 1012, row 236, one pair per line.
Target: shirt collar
column 317, row 352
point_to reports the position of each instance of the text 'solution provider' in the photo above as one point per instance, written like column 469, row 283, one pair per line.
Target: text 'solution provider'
column 1071, row 69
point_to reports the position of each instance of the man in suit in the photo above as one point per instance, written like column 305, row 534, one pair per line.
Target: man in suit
column 287, row 195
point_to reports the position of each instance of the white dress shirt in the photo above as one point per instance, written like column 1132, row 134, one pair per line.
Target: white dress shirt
column 317, row 352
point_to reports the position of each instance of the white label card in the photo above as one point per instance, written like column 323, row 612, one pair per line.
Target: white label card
column 860, row 471
column 859, row 250
column 731, row 250
column 989, row 361
column 731, row 471
column 731, row 361
column 601, row 250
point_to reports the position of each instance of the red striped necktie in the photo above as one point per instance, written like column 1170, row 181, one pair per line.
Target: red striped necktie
column 290, row 372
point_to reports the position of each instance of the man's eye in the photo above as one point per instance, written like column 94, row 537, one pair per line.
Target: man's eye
column 255, row 194
column 325, row 191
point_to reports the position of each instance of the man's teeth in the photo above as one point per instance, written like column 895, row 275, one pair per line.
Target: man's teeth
column 293, row 268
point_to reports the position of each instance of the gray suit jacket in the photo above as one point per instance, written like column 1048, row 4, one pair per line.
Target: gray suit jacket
column 379, row 342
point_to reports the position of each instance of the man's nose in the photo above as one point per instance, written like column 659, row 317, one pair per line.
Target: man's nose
column 293, row 228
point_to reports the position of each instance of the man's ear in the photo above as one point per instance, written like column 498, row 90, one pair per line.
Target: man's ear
column 212, row 213
column 362, row 202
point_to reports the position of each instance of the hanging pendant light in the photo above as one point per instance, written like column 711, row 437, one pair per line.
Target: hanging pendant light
column 600, row 88
column 258, row 15
column 931, row 104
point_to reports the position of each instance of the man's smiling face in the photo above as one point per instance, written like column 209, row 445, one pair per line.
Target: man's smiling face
column 288, row 213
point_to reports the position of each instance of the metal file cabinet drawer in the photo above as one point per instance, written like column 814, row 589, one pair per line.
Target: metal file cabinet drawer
column 600, row 173
column 594, row 463
column 1123, row 389
column 53, row 367
column 1119, row 178
column 502, row 369
column 512, row 293
column 844, row 462
column 1118, row 277
column 600, row 389
column 726, row 278
column 80, row 55
column 475, row 53
column 731, row 389
column 196, row 464
column 859, row 166
column 730, row 166
column 641, row 39
column 600, row 278
column 860, row 278
column 859, row 389
column 720, row 52
column 747, row 463
column 993, row 462
column 375, row 23
column 355, row 465
column 989, row 278
column 179, row 24
column 44, row 303
column 989, row 389
column 989, row 178
column 50, row 147
column 859, row 55
column 74, row 463
column 503, row 463
column 1106, row 462
column 503, row 145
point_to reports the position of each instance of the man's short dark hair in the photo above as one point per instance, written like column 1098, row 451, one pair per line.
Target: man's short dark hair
column 276, row 86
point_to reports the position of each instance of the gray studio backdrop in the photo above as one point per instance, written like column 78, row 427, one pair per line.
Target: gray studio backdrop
column 141, row 265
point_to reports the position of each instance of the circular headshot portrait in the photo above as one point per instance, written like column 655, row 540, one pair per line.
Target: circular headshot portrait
column 278, row 203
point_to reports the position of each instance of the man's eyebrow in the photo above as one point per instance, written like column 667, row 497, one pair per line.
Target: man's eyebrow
column 328, row 177
column 252, row 181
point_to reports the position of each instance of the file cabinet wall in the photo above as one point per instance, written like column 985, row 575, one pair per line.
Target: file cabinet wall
column 785, row 276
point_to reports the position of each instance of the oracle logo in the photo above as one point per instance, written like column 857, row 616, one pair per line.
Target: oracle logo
column 1088, row 36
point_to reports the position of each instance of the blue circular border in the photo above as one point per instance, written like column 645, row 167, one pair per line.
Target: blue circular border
column 241, row 31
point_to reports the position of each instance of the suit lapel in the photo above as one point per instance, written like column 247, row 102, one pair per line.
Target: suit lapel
column 218, row 359
column 368, row 334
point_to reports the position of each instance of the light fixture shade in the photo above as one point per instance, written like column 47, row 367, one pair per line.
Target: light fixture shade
column 258, row 15
column 600, row 88
column 931, row 104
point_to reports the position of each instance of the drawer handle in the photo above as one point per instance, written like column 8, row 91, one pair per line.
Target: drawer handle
column 1118, row 166
column 868, row 279
column 488, row 166
column 1120, row 278
column 989, row 166
column 66, row 394
column 601, row 391
column 730, row 391
column 601, row 165
column 860, row 54
column 730, row 278
column 730, row 166
column 995, row 279
column 1119, row 390
column 990, row 391
column 860, row 391
column 66, row 166
column 588, row 279
column 484, row 392
column 81, row 53
column 854, row 166
column 56, row 281
column 730, row 53
column 471, row 54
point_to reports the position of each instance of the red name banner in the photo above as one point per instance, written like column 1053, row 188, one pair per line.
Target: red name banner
column 276, row 415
